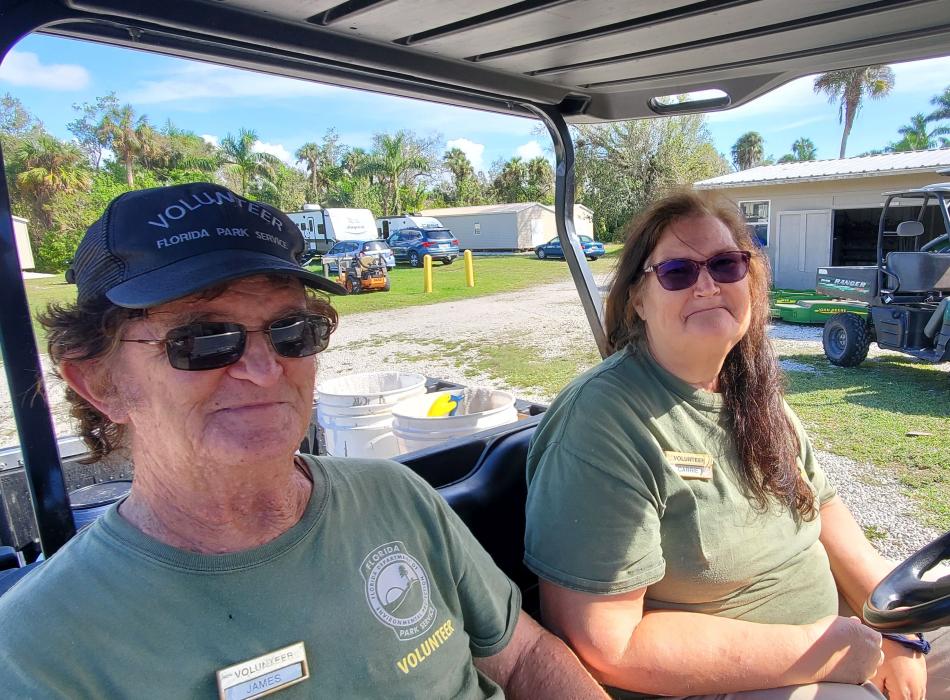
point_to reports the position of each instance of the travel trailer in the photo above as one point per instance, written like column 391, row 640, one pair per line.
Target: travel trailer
column 387, row 225
column 322, row 228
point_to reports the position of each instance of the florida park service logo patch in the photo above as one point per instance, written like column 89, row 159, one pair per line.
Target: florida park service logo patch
column 398, row 590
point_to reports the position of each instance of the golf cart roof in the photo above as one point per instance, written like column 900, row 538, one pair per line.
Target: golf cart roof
column 591, row 60
column 927, row 190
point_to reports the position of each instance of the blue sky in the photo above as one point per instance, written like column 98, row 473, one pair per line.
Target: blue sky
column 50, row 75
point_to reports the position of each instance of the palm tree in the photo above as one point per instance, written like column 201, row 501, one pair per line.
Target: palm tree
column 849, row 87
column 942, row 103
column 309, row 154
column 50, row 166
column 239, row 153
column 395, row 163
column 804, row 149
column 127, row 136
column 748, row 151
column 463, row 173
column 916, row 137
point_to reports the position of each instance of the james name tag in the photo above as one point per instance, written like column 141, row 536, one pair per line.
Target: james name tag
column 264, row 675
column 690, row 465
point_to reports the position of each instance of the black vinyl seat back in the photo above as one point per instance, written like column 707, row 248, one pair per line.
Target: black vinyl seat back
column 919, row 272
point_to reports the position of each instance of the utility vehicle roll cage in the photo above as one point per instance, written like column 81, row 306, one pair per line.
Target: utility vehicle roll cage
column 558, row 61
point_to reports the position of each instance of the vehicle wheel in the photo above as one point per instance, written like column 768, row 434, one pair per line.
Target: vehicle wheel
column 541, row 254
column 414, row 259
column 846, row 339
column 448, row 261
column 388, row 285
column 356, row 286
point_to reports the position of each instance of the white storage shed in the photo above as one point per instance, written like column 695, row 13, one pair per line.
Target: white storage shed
column 825, row 212
column 508, row 227
column 23, row 249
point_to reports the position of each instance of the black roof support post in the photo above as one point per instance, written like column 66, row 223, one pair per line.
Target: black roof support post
column 44, row 473
column 564, row 216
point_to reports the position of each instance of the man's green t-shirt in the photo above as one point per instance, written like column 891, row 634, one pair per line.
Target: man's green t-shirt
column 389, row 591
column 612, row 507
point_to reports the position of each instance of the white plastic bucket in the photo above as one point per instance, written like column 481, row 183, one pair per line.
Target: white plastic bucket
column 479, row 409
column 355, row 411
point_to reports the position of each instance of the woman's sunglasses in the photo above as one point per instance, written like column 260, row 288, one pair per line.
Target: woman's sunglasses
column 215, row 344
column 681, row 273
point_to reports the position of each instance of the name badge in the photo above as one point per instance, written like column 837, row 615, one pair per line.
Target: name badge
column 264, row 675
column 691, row 465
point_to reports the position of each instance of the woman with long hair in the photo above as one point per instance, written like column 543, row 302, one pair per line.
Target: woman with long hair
column 687, row 540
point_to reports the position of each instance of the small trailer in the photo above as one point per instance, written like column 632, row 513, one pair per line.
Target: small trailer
column 907, row 294
column 323, row 227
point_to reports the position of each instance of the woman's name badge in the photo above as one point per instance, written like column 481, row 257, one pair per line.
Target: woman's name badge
column 691, row 465
column 264, row 675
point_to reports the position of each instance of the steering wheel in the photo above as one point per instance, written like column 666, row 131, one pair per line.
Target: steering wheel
column 904, row 601
column 930, row 245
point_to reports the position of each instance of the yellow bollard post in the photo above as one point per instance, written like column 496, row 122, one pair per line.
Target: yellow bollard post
column 469, row 269
column 427, row 274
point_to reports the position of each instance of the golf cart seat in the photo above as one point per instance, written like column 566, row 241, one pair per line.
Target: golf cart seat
column 490, row 497
column 919, row 272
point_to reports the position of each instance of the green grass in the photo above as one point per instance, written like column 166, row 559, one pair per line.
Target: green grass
column 865, row 413
column 493, row 275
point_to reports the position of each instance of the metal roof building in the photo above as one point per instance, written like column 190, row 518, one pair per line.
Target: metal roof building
column 516, row 226
column 824, row 212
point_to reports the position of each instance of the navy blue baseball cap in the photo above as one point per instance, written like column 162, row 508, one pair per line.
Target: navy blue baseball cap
column 156, row 245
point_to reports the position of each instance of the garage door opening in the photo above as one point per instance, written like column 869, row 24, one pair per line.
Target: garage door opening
column 854, row 233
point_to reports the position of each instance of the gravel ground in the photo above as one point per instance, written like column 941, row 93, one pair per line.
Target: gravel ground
column 550, row 318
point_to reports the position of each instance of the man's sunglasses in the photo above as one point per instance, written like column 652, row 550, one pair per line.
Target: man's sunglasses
column 682, row 273
column 215, row 344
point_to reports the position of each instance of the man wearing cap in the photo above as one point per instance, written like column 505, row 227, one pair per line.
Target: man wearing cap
column 236, row 568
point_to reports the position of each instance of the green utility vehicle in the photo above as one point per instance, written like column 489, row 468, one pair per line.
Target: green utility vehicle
column 907, row 294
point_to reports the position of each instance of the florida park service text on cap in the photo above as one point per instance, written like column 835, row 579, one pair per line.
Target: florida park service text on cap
column 152, row 246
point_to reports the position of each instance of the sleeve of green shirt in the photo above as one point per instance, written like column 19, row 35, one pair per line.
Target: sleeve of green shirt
column 489, row 600
column 594, row 504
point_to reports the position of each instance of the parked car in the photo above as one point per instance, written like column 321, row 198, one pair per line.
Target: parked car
column 552, row 249
column 351, row 249
column 411, row 244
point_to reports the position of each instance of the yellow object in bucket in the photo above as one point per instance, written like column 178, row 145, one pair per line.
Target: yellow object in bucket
column 445, row 405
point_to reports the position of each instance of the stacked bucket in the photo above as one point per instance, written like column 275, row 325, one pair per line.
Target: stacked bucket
column 383, row 414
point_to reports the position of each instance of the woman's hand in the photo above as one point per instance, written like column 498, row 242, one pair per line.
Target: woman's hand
column 903, row 675
column 845, row 649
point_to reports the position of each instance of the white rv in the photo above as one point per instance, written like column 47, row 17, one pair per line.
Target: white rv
column 390, row 224
column 321, row 228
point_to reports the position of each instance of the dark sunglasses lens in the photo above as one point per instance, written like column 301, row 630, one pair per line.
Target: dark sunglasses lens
column 200, row 346
column 675, row 275
column 728, row 267
column 300, row 336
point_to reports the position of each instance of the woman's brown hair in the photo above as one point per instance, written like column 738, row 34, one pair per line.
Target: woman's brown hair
column 751, row 383
column 89, row 331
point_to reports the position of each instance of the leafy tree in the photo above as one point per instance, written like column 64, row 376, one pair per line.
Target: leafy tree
column 623, row 166
column 397, row 161
column 748, row 151
column 128, row 137
column 803, row 149
column 321, row 163
column 87, row 126
column 464, row 188
column 238, row 153
column 48, row 166
column 285, row 187
column 180, row 156
column 15, row 120
column 917, row 137
column 849, row 87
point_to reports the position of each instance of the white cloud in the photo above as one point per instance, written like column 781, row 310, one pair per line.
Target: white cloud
column 25, row 69
column 792, row 99
column 203, row 82
column 212, row 139
column 529, row 150
column 928, row 77
column 275, row 149
column 474, row 151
